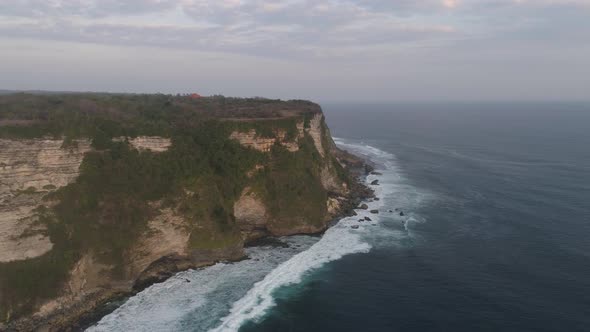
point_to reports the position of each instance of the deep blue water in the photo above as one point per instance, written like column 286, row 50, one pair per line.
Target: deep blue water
column 501, row 235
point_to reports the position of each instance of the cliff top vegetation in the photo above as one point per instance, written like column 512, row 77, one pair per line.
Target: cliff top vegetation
column 25, row 115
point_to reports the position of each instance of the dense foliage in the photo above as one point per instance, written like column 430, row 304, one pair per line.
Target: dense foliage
column 203, row 173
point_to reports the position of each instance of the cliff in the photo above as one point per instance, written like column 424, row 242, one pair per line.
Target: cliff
column 103, row 195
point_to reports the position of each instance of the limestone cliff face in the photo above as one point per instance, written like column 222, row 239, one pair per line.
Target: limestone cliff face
column 251, row 215
column 315, row 129
column 29, row 169
column 250, row 211
column 251, row 139
column 90, row 281
column 87, row 280
column 38, row 163
column 164, row 243
column 331, row 182
column 148, row 143
column 167, row 234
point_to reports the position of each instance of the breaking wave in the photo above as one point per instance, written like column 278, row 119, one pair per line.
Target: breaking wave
column 225, row 296
column 338, row 241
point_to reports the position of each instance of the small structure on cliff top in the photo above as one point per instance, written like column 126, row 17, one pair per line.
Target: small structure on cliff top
column 195, row 96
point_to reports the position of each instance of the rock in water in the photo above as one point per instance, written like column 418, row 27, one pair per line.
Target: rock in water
column 364, row 207
column 374, row 211
column 367, row 219
column 375, row 183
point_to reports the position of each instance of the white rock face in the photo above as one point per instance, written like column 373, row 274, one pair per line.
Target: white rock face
column 315, row 131
column 331, row 183
column 29, row 169
column 249, row 210
column 251, row 215
column 249, row 139
column 333, row 206
column 87, row 277
column 292, row 146
column 150, row 143
column 167, row 234
column 38, row 163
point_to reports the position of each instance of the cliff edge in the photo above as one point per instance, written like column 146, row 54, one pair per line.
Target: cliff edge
column 103, row 195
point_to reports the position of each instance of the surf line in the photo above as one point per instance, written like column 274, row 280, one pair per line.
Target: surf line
column 338, row 241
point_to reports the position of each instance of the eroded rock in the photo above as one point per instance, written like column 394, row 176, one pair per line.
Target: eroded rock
column 167, row 234
column 151, row 143
column 29, row 169
column 251, row 215
column 315, row 131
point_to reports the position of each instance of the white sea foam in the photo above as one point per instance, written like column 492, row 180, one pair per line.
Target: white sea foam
column 395, row 191
column 225, row 296
column 195, row 300
column 337, row 242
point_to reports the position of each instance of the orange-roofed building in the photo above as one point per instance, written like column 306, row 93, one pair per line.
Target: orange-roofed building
column 195, row 96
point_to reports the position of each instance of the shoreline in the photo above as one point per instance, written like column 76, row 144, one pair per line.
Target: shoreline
column 358, row 194
column 94, row 307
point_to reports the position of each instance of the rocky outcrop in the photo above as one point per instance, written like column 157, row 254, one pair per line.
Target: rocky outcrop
column 251, row 139
column 331, row 183
column 20, row 236
column 160, row 253
column 251, row 215
column 29, row 169
column 167, row 266
column 291, row 145
column 315, row 131
column 147, row 143
column 88, row 277
column 155, row 144
column 167, row 234
column 333, row 205
column 276, row 228
column 257, row 168
column 38, row 164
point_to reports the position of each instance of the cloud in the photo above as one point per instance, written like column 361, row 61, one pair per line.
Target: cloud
column 406, row 44
column 272, row 28
column 292, row 28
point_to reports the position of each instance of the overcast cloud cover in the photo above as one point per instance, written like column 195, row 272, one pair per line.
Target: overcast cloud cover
column 363, row 50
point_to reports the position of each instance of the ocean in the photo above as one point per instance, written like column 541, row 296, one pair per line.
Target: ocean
column 495, row 234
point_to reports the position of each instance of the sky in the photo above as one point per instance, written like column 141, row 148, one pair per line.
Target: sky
column 323, row 50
